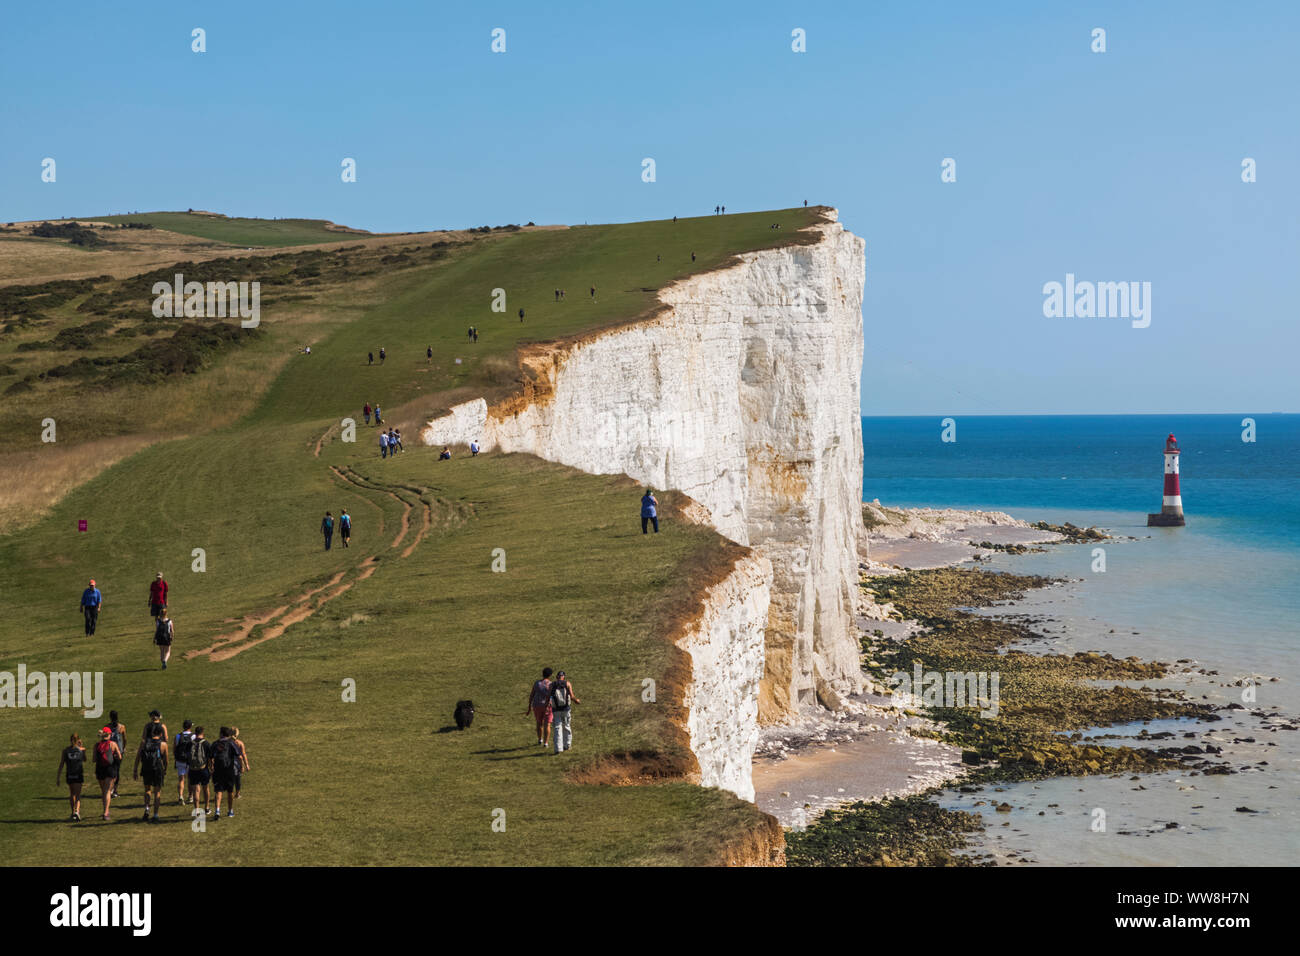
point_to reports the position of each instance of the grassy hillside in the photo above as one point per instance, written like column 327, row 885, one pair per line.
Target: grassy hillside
column 239, row 231
column 412, row 612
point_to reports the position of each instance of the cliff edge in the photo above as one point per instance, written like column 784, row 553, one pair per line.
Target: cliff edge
column 743, row 392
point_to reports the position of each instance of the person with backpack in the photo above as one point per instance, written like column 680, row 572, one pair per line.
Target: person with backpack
column 181, row 754
column 327, row 529
column 345, row 527
column 74, row 758
column 562, row 701
column 539, row 705
column 154, row 725
column 200, row 768
column 152, row 757
column 107, row 757
column 118, row 733
column 157, row 595
column 241, row 765
column 92, row 602
column 225, row 757
column 163, row 632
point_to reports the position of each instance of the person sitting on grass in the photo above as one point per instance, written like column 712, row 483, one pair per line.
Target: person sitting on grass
column 446, row 454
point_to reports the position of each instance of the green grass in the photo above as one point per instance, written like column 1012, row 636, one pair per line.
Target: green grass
column 236, row 230
column 375, row 781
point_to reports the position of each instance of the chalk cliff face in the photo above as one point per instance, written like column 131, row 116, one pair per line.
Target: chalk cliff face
column 743, row 393
column 726, row 648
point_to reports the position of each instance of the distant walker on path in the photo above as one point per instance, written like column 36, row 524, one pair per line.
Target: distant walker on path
column 91, row 603
column 327, row 529
column 649, row 511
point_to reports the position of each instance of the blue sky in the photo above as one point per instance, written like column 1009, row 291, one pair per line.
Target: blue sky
column 1123, row 165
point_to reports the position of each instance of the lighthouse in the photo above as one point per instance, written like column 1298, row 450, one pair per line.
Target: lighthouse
column 1171, row 507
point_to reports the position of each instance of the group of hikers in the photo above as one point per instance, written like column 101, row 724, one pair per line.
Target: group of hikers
column 551, row 704
column 164, row 631
column 203, row 767
column 370, row 356
column 390, row 442
column 345, row 528
column 367, row 411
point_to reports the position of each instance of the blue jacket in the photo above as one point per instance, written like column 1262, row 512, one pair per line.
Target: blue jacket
column 91, row 598
column 648, row 506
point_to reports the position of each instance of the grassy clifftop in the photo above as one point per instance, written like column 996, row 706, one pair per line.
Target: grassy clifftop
column 269, row 634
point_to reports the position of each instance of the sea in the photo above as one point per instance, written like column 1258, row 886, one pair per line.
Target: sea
column 1221, row 594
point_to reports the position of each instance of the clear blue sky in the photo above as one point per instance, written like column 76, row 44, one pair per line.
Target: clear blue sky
column 1117, row 166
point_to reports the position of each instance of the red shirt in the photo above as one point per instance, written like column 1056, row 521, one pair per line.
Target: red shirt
column 158, row 592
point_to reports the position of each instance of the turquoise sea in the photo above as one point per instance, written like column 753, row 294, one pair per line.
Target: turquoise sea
column 1224, row 592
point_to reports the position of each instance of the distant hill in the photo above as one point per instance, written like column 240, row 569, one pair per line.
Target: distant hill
column 238, row 231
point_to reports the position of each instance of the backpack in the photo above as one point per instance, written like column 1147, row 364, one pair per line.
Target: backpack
column 541, row 693
column 162, row 631
column 560, row 695
column 104, row 753
column 152, row 757
column 76, row 758
column 224, row 755
column 200, row 751
column 183, row 742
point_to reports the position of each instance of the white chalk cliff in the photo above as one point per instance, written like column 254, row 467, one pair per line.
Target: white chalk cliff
column 743, row 393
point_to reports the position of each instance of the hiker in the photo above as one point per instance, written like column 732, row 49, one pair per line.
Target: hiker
column 152, row 757
column 446, row 454
column 154, row 725
column 539, row 705
column 327, row 529
column 345, row 527
column 564, row 294
column 365, row 410
column 181, row 754
column 370, row 358
column 475, row 331
column 74, row 758
column 225, row 756
column 692, row 257
column 428, row 353
column 469, row 333
column 107, row 757
column 649, row 510
column 157, row 595
column 715, row 209
column 200, row 768
column 521, row 314
column 383, row 444
column 674, row 218
column 117, row 731
column 557, row 295
column 593, row 293
column 91, row 604
column 562, row 699
column 163, row 633
column 241, row 765
column 473, row 447
column 396, row 439
column 378, row 419
column 805, row 204
column 724, row 210
column 382, row 355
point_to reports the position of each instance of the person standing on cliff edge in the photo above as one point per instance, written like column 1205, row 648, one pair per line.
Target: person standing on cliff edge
column 649, row 511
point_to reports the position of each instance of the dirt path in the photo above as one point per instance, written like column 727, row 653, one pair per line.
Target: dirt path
column 264, row 626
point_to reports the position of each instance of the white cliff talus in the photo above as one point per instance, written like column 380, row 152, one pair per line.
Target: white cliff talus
column 743, row 393
column 726, row 649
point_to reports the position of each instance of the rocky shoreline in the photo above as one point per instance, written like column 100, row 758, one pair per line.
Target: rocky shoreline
column 924, row 621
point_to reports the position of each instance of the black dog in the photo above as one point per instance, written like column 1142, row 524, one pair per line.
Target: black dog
column 464, row 714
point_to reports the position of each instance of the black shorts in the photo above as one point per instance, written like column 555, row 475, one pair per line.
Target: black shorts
column 163, row 642
column 156, row 609
column 106, row 773
column 223, row 782
column 78, row 781
column 153, row 780
column 198, row 777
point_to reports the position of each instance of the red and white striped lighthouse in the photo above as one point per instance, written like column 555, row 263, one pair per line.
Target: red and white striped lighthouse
column 1171, row 507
